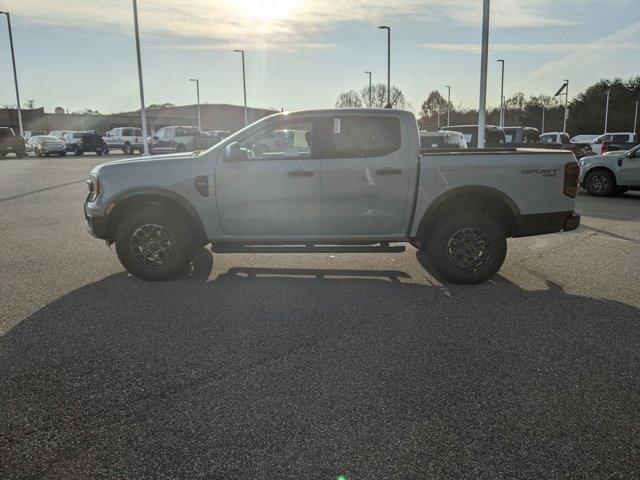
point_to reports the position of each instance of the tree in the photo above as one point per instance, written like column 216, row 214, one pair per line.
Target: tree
column 349, row 99
column 59, row 110
column 354, row 99
column 434, row 105
column 30, row 103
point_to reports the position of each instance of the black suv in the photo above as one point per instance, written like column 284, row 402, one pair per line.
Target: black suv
column 11, row 143
column 80, row 142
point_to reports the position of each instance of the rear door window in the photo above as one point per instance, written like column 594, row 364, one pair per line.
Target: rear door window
column 359, row 136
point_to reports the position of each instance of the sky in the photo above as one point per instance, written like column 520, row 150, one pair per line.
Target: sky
column 300, row 54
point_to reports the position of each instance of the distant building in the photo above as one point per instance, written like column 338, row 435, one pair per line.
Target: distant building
column 214, row 117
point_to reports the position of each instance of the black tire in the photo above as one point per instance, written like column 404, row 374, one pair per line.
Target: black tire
column 454, row 247
column 600, row 183
column 19, row 154
column 181, row 147
column 155, row 223
column 76, row 151
column 62, row 154
column 128, row 149
column 99, row 152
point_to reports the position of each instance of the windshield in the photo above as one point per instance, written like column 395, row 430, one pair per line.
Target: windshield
column 548, row 138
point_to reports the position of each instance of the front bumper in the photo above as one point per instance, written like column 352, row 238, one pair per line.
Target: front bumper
column 97, row 224
column 51, row 149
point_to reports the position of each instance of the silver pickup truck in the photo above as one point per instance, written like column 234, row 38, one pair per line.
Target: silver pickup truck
column 353, row 179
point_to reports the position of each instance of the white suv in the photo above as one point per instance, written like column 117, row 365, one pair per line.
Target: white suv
column 128, row 139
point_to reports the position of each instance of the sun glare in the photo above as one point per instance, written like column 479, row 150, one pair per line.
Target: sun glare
column 267, row 11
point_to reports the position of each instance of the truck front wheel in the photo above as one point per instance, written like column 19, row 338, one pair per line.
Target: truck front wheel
column 154, row 244
column 600, row 183
column 468, row 248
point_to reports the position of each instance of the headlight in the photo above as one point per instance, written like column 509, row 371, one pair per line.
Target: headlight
column 93, row 184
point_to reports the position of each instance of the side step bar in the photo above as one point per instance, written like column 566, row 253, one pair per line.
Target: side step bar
column 250, row 248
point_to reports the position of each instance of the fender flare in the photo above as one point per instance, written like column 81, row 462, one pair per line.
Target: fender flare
column 161, row 192
column 466, row 190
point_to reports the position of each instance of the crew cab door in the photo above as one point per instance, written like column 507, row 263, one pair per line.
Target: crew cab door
column 366, row 167
column 268, row 191
column 630, row 169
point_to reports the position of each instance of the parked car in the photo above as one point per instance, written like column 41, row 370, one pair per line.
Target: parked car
column 360, row 180
column 494, row 136
column 602, row 175
column 614, row 141
column 60, row 133
column 561, row 140
column 557, row 138
column 441, row 139
column 81, row 142
column 10, row 142
column 521, row 135
column 180, row 139
column 45, row 145
column 127, row 139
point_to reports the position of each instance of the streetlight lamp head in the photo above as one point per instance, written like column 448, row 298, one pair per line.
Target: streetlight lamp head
column 193, row 79
column 384, row 27
column 239, row 51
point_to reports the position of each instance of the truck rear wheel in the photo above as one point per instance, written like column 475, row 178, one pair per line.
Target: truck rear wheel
column 154, row 244
column 468, row 248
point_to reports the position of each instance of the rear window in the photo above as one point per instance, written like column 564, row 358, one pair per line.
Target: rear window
column 510, row 135
column 359, row 136
column 548, row 138
column 621, row 138
column 432, row 142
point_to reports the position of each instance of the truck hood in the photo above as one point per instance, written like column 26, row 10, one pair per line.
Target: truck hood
column 147, row 161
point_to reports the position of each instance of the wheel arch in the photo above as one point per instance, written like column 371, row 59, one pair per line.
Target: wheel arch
column 596, row 168
column 490, row 200
column 127, row 202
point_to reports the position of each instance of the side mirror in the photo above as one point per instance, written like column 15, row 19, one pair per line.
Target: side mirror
column 232, row 151
column 155, row 137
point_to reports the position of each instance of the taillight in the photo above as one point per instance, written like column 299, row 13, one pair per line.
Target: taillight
column 605, row 149
column 571, row 172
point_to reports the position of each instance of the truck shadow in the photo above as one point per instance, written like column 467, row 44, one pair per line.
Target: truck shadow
column 360, row 364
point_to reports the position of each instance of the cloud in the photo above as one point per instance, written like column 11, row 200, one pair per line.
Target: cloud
column 591, row 55
column 258, row 24
column 529, row 47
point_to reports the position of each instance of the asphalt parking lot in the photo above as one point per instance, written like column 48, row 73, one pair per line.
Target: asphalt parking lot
column 317, row 365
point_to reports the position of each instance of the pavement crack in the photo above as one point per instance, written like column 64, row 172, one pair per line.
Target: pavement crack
column 41, row 190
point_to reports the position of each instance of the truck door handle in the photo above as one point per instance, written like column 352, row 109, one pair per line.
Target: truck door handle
column 300, row 173
column 389, row 171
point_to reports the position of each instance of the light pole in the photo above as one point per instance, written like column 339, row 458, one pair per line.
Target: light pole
column 369, row 88
column 15, row 74
column 566, row 107
column 388, row 29
column 198, row 99
column 244, row 88
column 635, row 119
column 502, row 95
column 448, row 103
column 542, row 119
column 483, row 73
column 606, row 111
column 143, row 112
